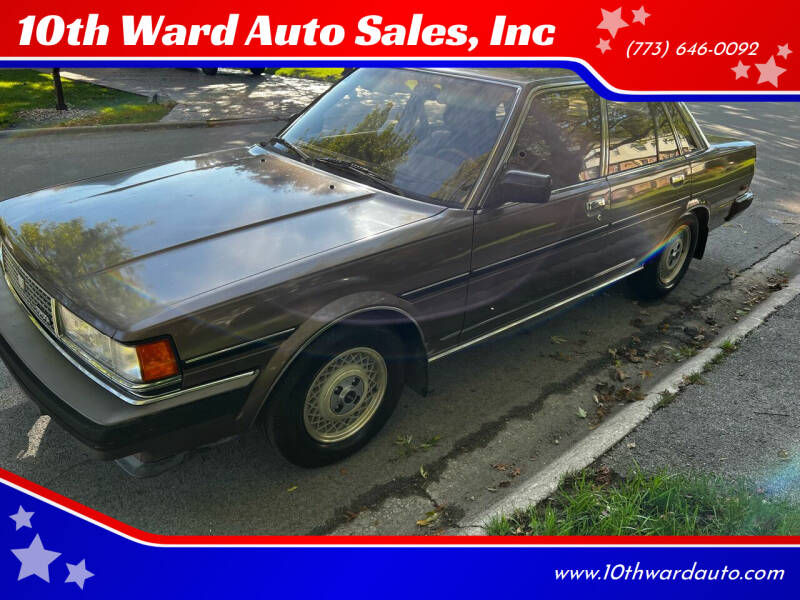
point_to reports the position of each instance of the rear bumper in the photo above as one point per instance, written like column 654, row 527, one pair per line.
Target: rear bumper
column 739, row 205
column 107, row 425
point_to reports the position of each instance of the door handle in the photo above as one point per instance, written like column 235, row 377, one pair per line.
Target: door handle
column 677, row 180
column 595, row 204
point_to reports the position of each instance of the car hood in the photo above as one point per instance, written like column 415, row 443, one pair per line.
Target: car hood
column 122, row 247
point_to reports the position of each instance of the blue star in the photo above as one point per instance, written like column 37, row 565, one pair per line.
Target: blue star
column 35, row 560
column 22, row 518
column 78, row 574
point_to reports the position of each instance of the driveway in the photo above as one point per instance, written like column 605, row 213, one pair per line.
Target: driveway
column 496, row 414
column 231, row 94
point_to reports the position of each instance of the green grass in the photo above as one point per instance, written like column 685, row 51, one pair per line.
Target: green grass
column 666, row 399
column 24, row 89
column 661, row 504
column 321, row 74
column 124, row 113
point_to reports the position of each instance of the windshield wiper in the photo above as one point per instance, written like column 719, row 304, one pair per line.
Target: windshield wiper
column 358, row 169
column 302, row 155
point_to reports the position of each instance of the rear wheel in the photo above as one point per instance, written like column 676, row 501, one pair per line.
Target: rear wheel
column 257, row 71
column 663, row 272
column 336, row 396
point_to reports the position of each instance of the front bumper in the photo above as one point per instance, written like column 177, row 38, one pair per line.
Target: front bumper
column 105, row 423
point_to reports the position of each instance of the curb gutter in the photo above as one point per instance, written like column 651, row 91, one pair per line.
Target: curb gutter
column 545, row 482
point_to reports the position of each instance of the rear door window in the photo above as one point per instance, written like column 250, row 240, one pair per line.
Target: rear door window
column 631, row 136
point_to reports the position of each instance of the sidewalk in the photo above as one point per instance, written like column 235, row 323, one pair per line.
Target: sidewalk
column 743, row 423
column 231, row 94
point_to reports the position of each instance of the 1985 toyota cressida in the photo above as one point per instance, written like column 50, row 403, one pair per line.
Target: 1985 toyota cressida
column 303, row 282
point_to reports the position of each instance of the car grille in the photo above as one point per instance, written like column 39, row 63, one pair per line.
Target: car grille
column 37, row 301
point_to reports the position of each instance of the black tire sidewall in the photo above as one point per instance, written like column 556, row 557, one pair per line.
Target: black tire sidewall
column 284, row 417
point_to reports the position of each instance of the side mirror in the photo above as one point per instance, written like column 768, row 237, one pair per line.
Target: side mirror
column 521, row 186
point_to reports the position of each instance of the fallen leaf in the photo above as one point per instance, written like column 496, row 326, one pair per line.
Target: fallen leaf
column 423, row 472
column 632, row 445
column 581, row 413
column 557, row 339
column 430, row 518
column 291, row 489
column 500, row 467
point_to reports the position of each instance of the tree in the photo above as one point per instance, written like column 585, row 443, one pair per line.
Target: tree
column 60, row 104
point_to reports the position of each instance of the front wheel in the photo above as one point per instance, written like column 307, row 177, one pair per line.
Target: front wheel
column 210, row 71
column 663, row 272
column 336, row 396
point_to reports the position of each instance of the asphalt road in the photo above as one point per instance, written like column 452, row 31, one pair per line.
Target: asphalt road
column 504, row 408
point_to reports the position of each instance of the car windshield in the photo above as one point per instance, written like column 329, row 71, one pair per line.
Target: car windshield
column 426, row 135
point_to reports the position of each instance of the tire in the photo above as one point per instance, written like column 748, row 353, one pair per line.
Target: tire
column 310, row 414
column 257, row 71
column 210, row 71
column 664, row 271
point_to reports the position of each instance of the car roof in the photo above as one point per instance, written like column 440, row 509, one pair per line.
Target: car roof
column 524, row 76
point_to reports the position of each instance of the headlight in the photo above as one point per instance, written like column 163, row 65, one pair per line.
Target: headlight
column 141, row 363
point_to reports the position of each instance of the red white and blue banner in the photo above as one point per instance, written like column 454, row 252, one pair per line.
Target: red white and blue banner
column 624, row 48
column 56, row 548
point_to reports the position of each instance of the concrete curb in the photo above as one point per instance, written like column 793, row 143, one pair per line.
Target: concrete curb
column 7, row 133
column 602, row 439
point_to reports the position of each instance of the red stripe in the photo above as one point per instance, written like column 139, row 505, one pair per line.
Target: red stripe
column 152, row 538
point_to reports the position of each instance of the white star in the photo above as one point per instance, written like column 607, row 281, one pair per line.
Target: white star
column 612, row 20
column 783, row 51
column 603, row 45
column 740, row 70
column 769, row 71
column 35, row 560
column 640, row 16
column 78, row 574
column 22, row 518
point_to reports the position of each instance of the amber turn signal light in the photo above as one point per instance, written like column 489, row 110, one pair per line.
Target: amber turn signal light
column 157, row 360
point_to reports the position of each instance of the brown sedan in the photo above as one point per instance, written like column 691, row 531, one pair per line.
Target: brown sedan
column 302, row 283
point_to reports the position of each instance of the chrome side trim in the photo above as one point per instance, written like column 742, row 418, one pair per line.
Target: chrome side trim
column 538, row 313
column 644, row 212
column 435, row 284
column 242, row 346
column 523, row 255
column 198, row 392
column 661, row 214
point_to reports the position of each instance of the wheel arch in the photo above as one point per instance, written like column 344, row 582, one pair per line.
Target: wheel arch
column 703, row 215
column 374, row 309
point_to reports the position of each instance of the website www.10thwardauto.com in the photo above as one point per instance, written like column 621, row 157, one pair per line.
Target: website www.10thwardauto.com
column 627, row 572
